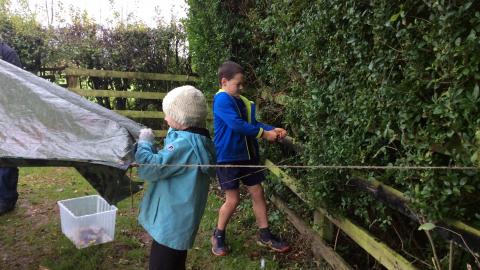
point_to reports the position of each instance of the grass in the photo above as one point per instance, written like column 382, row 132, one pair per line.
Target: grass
column 31, row 238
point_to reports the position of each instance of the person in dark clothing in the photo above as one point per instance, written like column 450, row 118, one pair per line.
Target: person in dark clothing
column 10, row 55
column 8, row 176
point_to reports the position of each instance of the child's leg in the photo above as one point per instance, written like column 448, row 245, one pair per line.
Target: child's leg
column 165, row 258
column 266, row 238
column 232, row 199
column 259, row 205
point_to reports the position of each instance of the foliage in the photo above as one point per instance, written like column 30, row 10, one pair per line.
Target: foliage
column 86, row 44
column 25, row 35
column 367, row 83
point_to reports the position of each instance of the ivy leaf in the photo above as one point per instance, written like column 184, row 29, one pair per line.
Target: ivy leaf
column 426, row 227
column 475, row 92
column 474, row 157
column 394, row 17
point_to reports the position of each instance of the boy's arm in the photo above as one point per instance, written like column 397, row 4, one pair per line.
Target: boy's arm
column 282, row 133
column 225, row 109
column 150, row 168
column 265, row 126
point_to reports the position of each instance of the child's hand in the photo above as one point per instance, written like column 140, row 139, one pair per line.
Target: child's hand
column 270, row 135
column 146, row 134
column 282, row 133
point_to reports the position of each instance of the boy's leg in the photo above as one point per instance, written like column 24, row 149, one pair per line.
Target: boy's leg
column 259, row 205
column 266, row 238
column 165, row 258
column 228, row 180
column 232, row 199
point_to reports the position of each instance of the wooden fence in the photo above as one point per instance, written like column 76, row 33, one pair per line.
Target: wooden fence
column 73, row 84
column 461, row 233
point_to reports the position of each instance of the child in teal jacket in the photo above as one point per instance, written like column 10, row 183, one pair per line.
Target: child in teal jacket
column 175, row 199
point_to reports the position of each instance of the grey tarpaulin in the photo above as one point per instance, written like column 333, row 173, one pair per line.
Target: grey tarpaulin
column 42, row 124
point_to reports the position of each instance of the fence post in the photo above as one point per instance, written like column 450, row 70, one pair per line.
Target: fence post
column 323, row 226
column 72, row 81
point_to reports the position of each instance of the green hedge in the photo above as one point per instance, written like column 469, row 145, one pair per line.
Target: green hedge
column 368, row 83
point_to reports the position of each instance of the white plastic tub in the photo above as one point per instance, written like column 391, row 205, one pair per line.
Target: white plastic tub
column 88, row 220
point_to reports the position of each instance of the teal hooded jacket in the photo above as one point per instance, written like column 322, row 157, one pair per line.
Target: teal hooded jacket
column 175, row 198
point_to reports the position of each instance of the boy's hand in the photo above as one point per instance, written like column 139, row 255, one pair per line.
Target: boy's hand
column 146, row 134
column 270, row 135
column 282, row 133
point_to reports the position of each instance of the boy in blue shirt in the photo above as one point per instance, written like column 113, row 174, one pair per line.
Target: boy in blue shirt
column 175, row 199
column 236, row 133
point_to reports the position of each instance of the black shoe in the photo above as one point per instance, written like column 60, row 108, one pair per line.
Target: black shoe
column 6, row 207
column 273, row 242
column 219, row 248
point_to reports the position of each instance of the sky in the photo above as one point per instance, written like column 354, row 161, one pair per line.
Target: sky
column 103, row 11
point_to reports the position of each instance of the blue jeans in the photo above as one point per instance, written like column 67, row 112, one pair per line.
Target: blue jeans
column 8, row 185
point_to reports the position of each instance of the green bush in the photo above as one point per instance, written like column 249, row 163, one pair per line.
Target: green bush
column 368, row 83
column 86, row 44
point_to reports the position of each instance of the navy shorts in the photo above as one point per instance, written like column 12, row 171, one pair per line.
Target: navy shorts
column 229, row 178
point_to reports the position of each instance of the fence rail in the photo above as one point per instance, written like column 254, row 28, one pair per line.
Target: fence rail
column 118, row 94
column 73, row 84
column 77, row 72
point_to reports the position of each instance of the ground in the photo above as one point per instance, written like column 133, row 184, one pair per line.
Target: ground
column 31, row 238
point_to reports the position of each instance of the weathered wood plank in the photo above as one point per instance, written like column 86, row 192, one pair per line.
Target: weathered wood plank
column 319, row 247
column 147, row 114
column 381, row 252
column 129, row 75
column 323, row 226
column 118, row 94
column 52, row 68
column 72, row 81
column 140, row 114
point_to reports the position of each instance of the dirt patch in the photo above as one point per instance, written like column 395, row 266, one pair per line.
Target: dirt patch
column 39, row 214
column 22, row 224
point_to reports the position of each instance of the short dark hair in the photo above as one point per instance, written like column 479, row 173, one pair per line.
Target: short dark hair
column 228, row 70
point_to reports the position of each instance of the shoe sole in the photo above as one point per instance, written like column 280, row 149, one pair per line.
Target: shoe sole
column 217, row 254
column 260, row 243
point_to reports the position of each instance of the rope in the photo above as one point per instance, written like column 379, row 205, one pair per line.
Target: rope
column 235, row 179
column 323, row 167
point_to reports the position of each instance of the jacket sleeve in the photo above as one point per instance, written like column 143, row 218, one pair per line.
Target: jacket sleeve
column 151, row 168
column 225, row 109
column 265, row 126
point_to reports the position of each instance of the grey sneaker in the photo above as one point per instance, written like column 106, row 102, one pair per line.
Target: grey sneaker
column 274, row 243
column 218, row 244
